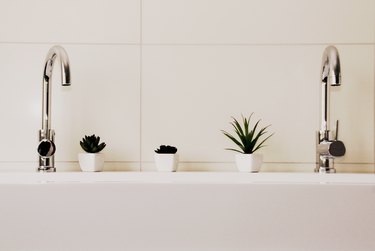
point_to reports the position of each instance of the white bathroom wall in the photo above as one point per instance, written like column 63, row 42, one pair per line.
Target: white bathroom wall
column 152, row 72
column 102, row 40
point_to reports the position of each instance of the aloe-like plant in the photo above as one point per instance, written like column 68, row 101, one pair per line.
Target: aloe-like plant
column 90, row 144
column 166, row 149
column 248, row 139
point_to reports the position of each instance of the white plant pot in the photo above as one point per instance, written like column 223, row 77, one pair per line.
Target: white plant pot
column 91, row 162
column 166, row 162
column 250, row 163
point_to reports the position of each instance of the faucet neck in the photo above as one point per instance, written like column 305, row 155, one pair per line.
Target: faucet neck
column 330, row 76
column 325, row 107
column 55, row 53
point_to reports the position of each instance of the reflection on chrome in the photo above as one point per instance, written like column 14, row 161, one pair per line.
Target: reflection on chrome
column 46, row 147
column 328, row 147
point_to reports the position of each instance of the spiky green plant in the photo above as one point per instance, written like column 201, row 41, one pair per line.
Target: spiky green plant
column 166, row 149
column 90, row 144
column 247, row 138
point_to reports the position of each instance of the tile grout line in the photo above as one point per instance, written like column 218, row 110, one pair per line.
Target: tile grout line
column 259, row 44
column 194, row 162
column 66, row 43
column 140, row 81
column 184, row 44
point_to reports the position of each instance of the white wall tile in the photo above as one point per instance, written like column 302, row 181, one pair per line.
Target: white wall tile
column 258, row 21
column 20, row 97
column 83, row 21
column 103, row 99
column 190, row 86
column 190, row 92
column 353, row 103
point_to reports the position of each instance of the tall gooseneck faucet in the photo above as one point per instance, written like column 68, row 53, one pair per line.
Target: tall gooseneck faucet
column 46, row 147
column 328, row 147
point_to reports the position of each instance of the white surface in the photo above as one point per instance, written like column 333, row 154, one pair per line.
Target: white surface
column 208, row 85
column 98, row 101
column 249, row 162
column 258, row 21
column 186, row 178
column 166, row 162
column 84, row 21
column 91, row 162
column 186, row 211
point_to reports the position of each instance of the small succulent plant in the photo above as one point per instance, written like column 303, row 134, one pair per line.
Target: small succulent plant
column 90, row 144
column 166, row 149
column 247, row 139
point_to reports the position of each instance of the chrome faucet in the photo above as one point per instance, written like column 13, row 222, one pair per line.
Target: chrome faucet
column 328, row 147
column 46, row 147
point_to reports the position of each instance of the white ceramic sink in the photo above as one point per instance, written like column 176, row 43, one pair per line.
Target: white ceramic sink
column 185, row 178
column 187, row 211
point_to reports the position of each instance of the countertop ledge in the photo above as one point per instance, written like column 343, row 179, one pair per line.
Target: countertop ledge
column 187, row 178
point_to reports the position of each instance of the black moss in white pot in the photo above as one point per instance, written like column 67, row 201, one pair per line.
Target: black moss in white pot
column 166, row 158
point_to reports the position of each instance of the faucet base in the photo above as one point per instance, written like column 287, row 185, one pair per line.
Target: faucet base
column 324, row 165
column 46, row 164
column 323, row 169
column 46, row 169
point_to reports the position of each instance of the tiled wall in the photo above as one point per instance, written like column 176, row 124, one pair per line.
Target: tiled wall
column 151, row 72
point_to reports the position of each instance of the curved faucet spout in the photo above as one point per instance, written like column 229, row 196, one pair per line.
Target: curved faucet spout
column 46, row 148
column 55, row 53
column 330, row 76
column 331, row 70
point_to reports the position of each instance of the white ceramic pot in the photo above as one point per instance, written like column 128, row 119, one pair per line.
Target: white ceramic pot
column 166, row 162
column 91, row 162
column 250, row 163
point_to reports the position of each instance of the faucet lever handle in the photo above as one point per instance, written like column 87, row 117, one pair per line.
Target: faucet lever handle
column 46, row 148
column 337, row 130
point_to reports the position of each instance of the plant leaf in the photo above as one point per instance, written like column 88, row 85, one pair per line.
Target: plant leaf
column 233, row 139
column 231, row 149
column 261, row 143
column 247, row 138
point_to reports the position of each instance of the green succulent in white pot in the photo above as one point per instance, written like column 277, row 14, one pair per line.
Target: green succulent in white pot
column 248, row 139
column 92, row 160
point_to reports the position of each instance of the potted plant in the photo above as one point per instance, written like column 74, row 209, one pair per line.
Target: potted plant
column 166, row 158
column 92, row 160
column 249, row 141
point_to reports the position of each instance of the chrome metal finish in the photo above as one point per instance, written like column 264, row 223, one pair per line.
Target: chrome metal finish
column 328, row 147
column 46, row 134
